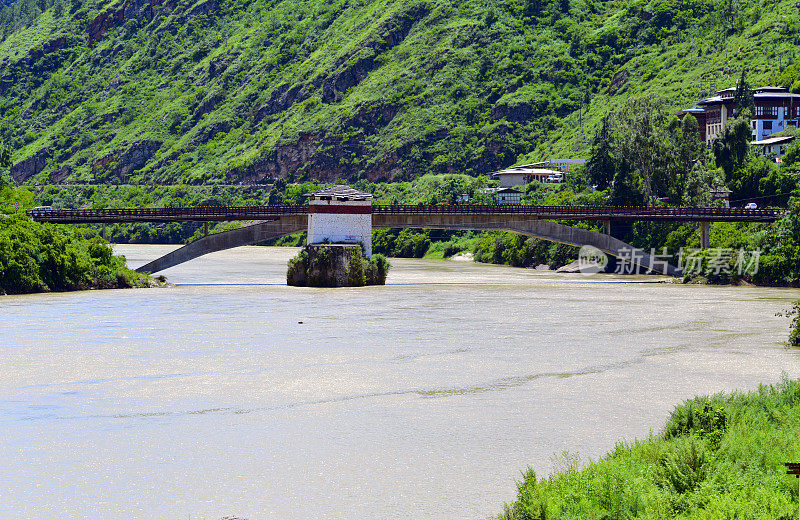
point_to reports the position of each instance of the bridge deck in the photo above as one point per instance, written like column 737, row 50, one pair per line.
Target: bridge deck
column 230, row 213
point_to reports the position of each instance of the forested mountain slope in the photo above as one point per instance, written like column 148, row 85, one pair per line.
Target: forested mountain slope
column 185, row 91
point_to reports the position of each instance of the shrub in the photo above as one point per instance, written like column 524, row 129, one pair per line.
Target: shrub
column 45, row 257
column 684, row 467
column 356, row 272
column 379, row 268
column 794, row 330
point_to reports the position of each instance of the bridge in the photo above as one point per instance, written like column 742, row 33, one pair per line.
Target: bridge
column 535, row 221
column 231, row 213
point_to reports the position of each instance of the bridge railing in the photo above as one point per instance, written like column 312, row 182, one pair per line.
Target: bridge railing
column 600, row 211
column 197, row 211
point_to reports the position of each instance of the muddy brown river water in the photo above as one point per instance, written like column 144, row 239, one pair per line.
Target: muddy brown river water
column 421, row 399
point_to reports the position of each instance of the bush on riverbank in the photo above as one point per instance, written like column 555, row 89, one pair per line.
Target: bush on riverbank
column 719, row 457
column 45, row 257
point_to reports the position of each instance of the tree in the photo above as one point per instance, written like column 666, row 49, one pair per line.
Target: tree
column 626, row 190
column 5, row 162
column 642, row 152
column 687, row 153
column 601, row 166
column 792, row 155
column 5, row 156
column 697, row 187
column 743, row 99
column 644, row 139
column 730, row 149
column 274, row 197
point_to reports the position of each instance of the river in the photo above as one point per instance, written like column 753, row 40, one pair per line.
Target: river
column 232, row 394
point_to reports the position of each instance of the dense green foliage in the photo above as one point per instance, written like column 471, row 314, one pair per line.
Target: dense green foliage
column 719, row 457
column 44, row 257
column 5, row 162
column 248, row 90
column 644, row 154
column 511, row 249
column 794, row 330
column 780, row 244
column 402, row 243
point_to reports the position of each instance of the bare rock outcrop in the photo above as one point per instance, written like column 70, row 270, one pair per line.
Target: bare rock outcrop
column 512, row 113
column 121, row 164
column 27, row 168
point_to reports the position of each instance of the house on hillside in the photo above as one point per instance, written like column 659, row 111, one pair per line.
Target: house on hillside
column 523, row 174
column 774, row 146
column 508, row 196
column 775, row 109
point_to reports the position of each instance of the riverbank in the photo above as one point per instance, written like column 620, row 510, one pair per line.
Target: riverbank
column 719, row 457
column 38, row 257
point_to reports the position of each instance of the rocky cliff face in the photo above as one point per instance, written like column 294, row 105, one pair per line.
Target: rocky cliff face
column 24, row 170
column 119, row 165
column 39, row 62
column 142, row 11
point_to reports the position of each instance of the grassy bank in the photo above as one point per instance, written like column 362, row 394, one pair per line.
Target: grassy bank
column 718, row 458
column 45, row 257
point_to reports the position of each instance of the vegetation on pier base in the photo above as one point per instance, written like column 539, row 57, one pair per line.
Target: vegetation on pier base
column 719, row 457
column 336, row 266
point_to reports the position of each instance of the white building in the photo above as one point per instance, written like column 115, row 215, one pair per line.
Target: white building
column 523, row 174
column 774, row 146
column 776, row 108
column 340, row 215
column 508, row 196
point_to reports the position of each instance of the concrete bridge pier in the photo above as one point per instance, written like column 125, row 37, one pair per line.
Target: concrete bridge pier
column 705, row 237
column 606, row 227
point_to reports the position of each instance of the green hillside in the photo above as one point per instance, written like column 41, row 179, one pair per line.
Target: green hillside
column 230, row 91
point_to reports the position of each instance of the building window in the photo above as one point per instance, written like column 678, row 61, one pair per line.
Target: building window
column 767, row 125
column 759, row 111
column 773, row 111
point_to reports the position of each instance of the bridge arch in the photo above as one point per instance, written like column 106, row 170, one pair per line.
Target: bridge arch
column 532, row 227
column 523, row 224
column 245, row 236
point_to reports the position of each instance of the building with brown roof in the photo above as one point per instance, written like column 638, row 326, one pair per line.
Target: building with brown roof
column 775, row 109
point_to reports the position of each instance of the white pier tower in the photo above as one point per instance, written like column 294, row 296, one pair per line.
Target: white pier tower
column 340, row 215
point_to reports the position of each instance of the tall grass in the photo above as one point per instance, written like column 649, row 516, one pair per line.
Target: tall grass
column 719, row 457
